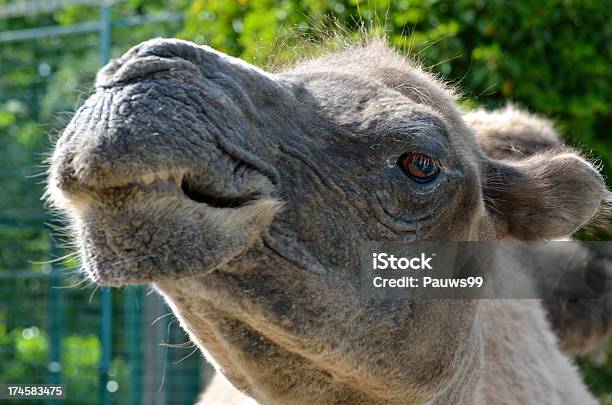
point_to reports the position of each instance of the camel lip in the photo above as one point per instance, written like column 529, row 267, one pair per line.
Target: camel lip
column 163, row 181
column 146, row 233
column 181, row 185
column 149, row 180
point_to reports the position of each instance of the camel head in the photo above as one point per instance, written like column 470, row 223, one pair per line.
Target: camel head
column 244, row 197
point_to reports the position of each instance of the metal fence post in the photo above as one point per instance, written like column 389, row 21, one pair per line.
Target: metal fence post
column 105, row 32
column 133, row 326
column 106, row 303
column 55, row 314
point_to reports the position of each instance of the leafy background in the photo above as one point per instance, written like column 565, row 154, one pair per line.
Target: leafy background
column 551, row 57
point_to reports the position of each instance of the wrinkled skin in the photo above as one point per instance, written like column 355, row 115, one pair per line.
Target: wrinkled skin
column 244, row 197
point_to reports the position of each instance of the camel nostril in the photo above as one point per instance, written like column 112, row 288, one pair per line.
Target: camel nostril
column 171, row 59
column 143, row 67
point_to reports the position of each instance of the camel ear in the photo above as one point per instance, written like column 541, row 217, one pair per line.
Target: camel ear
column 544, row 196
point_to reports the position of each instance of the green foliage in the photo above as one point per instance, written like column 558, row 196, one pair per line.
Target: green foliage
column 81, row 354
column 598, row 378
column 30, row 352
column 80, row 359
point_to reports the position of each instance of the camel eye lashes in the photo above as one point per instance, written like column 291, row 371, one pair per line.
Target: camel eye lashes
column 420, row 167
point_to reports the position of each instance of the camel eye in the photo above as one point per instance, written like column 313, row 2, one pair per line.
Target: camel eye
column 420, row 167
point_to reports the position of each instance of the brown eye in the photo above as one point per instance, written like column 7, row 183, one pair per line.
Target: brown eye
column 420, row 167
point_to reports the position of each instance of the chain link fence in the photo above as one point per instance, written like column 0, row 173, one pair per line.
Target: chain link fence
column 104, row 345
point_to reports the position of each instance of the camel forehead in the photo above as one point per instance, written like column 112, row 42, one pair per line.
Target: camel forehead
column 374, row 92
column 359, row 59
column 357, row 114
column 376, row 62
